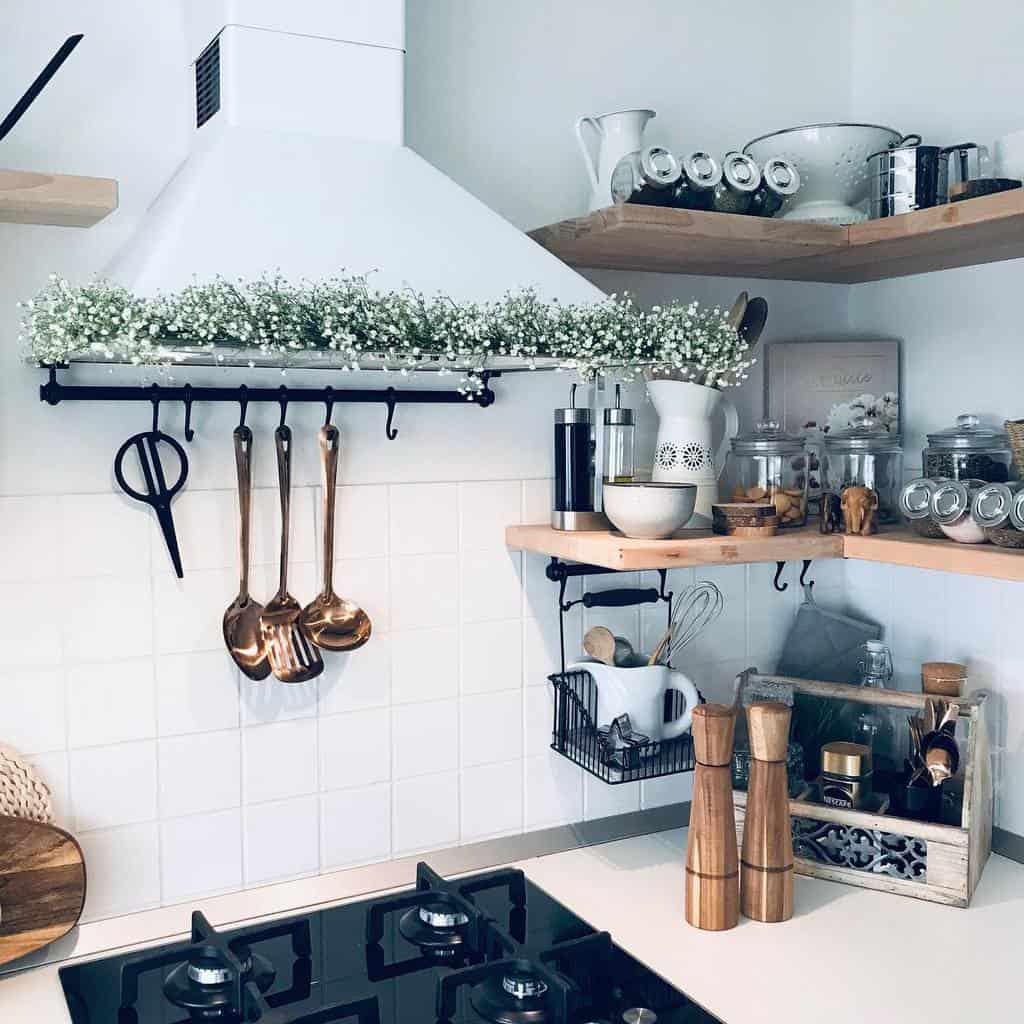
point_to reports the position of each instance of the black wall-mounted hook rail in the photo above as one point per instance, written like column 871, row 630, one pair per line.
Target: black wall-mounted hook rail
column 53, row 392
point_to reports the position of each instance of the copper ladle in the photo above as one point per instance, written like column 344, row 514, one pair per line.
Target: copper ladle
column 242, row 619
column 333, row 623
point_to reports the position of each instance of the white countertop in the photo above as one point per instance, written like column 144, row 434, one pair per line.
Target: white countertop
column 848, row 955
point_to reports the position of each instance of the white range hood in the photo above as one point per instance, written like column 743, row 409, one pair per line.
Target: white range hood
column 297, row 165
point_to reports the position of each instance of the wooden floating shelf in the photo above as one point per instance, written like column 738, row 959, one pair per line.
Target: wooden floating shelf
column 628, row 237
column 65, row 200
column 701, row 547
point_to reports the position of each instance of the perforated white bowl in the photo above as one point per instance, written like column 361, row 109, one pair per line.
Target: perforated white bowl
column 832, row 161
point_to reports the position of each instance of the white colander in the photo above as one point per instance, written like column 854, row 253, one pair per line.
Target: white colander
column 832, row 162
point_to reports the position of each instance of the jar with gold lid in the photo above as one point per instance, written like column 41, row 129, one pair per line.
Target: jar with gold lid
column 846, row 774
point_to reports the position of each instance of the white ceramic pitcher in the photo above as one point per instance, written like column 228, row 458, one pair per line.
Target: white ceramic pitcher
column 685, row 452
column 640, row 693
column 618, row 133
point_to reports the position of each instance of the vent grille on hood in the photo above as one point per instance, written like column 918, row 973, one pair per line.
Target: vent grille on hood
column 208, row 83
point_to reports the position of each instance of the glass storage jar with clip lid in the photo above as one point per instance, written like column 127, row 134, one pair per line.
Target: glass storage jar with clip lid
column 866, row 455
column 872, row 724
column 767, row 466
column 969, row 449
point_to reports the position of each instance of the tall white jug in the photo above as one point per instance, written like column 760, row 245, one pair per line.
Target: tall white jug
column 618, row 134
column 686, row 452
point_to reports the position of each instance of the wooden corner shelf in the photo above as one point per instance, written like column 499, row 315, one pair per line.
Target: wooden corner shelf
column 895, row 546
column 66, row 200
column 652, row 238
column 692, row 547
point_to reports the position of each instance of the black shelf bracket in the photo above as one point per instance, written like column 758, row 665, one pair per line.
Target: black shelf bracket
column 53, row 392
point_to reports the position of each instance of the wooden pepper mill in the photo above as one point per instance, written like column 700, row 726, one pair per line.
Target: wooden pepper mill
column 712, row 868
column 766, row 865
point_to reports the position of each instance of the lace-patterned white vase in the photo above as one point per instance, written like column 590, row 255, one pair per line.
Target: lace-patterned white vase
column 685, row 451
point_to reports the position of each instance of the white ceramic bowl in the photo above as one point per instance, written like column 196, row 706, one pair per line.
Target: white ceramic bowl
column 832, row 162
column 649, row 510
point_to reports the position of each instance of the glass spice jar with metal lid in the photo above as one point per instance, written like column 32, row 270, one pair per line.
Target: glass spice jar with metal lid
column 695, row 190
column 779, row 181
column 991, row 510
column 969, row 449
column 767, row 466
column 645, row 176
column 866, row 455
column 915, row 503
column 740, row 180
column 951, row 509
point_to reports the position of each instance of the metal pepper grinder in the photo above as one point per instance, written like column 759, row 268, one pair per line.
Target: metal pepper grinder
column 766, row 861
column 574, row 470
column 712, row 870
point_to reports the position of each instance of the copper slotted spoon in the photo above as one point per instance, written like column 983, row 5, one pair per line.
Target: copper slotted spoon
column 242, row 632
column 293, row 659
column 331, row 622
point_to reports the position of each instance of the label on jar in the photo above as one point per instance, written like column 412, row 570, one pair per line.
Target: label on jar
column 836, row 796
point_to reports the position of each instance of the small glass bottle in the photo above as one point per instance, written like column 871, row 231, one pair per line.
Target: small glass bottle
column 872, row 725
column 619, row 440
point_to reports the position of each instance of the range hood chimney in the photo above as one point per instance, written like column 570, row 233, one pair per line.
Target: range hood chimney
column 297, row 165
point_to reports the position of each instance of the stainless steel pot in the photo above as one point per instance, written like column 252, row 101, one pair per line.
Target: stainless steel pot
column 907, row 178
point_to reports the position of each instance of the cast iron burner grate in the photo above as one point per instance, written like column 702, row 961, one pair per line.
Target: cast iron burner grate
column 216, row 979
column 511, row 980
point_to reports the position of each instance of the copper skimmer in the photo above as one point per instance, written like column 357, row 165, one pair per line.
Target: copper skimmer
column 293, row 659
column 242, row 632
column 331, row 622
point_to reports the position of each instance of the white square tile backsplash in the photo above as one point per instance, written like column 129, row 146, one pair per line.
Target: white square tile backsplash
column 436, row 732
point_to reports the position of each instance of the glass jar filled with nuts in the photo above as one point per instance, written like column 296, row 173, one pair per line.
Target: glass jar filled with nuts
column 769, row 467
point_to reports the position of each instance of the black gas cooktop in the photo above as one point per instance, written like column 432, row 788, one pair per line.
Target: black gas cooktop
column 487, row 948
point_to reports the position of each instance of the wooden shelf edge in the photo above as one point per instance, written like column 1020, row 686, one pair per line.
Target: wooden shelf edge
column 701, row 547
column 661, row 239
column 64, row 200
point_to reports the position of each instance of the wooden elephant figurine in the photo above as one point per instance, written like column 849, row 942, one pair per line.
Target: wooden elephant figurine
column 860, row 510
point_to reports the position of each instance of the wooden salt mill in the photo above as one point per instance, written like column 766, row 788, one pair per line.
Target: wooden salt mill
column 766, row 865
column 712, row 868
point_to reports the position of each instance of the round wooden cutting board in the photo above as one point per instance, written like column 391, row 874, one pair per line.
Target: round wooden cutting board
column 42, row 885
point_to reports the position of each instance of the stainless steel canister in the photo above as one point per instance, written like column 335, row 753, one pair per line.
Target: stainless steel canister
column 907, row 178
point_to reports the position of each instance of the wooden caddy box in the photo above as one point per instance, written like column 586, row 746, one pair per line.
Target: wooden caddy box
column 928, row 861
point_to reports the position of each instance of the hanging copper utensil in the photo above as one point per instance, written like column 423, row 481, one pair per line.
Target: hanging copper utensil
column 242, row 632
column 293, row 659
column 331, row 622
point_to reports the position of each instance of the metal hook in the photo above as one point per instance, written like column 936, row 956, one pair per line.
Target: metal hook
column 390, row 433
column 780, row 587
column 189, row 432
column 803, row 573
column 284, row 404
column 329, row 402
column 155, row 390
column 243, row 403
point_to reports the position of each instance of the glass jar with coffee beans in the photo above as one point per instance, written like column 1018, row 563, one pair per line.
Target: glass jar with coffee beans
column 646, row 176
column 969, row 449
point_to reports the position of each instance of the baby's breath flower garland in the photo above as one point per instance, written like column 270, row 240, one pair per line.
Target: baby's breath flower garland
column 348, row 318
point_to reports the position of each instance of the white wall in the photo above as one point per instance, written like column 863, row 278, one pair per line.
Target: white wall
column 121, row 697
column 953, row 78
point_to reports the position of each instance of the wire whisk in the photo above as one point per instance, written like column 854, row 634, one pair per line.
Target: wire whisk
column 696, row 609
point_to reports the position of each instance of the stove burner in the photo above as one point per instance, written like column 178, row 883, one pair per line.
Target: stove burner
column 639, row 1015
column 522, row 985
column 439, row 916
column 438, row 928
column 203, row 984
column 517, row 997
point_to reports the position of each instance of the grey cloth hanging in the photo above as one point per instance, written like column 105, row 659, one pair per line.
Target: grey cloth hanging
column 824, row 645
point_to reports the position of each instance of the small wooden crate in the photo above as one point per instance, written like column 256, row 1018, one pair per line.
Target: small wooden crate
column 928, row 861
